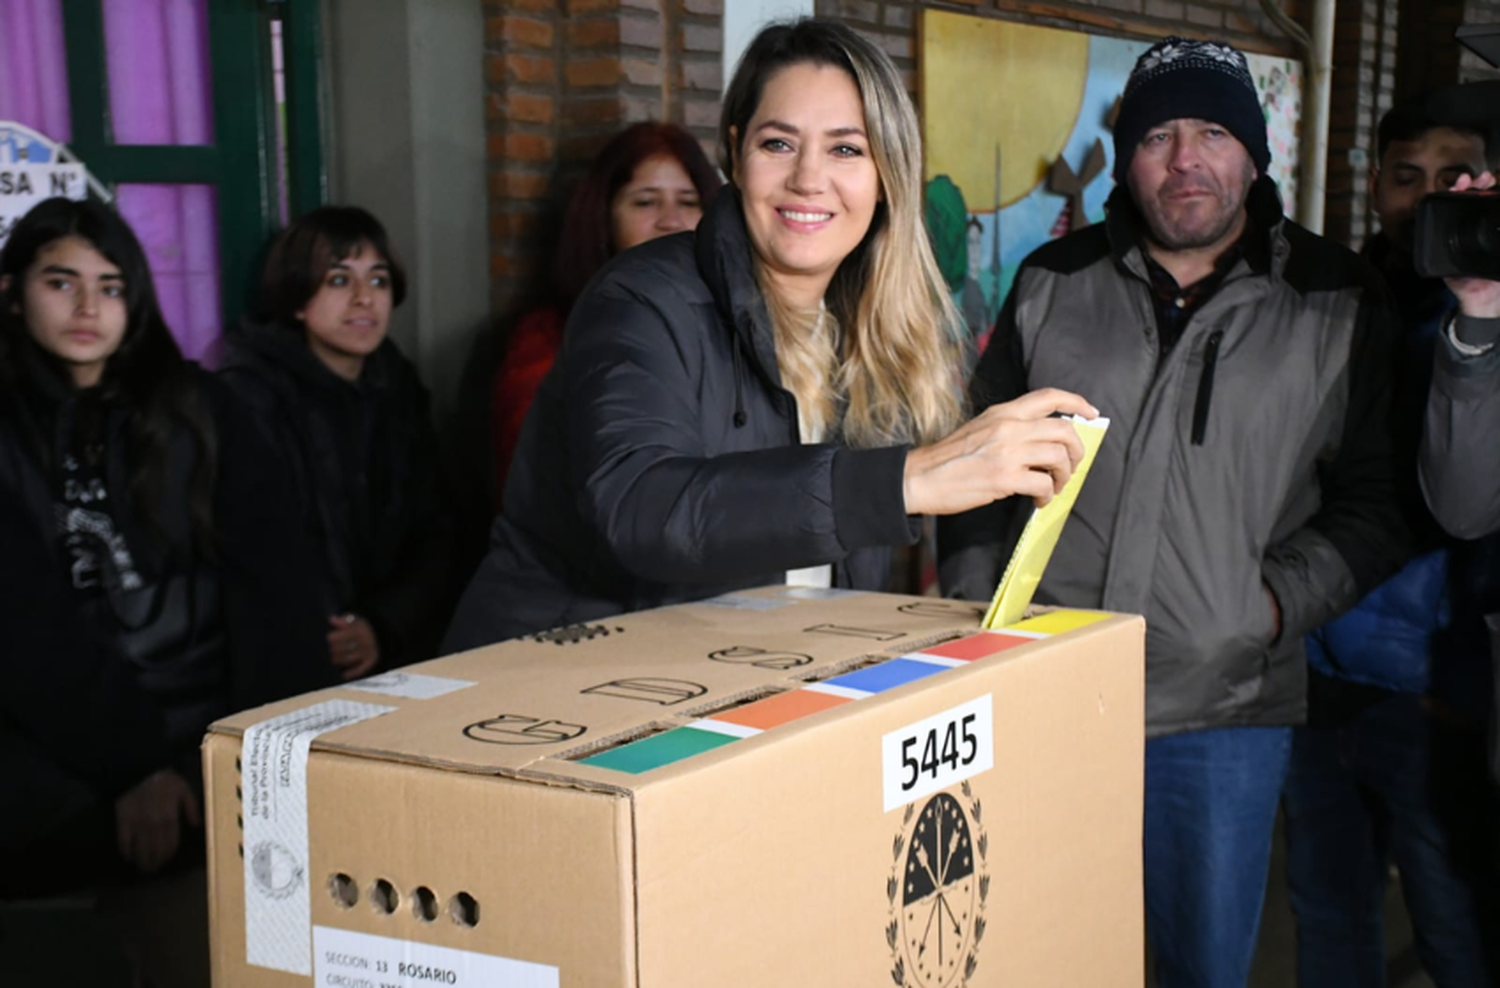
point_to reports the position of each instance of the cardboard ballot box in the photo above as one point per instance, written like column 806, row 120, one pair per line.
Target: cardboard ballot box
column 785, row 786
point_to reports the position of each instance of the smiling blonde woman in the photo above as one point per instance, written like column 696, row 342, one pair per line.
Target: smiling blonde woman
column 772, row 398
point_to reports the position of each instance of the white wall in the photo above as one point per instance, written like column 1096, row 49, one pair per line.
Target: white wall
column 407, row 141
column 742, row 18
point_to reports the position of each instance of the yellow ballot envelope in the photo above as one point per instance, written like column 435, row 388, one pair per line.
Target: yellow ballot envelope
column 1039, row 538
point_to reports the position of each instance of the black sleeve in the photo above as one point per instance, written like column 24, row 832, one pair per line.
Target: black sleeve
column 1359, row 536
column 973, row 547
column 1458, row 467
column 273, row 610
column 68, row 693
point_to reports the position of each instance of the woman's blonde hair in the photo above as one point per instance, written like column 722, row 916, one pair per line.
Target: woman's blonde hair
column 889, row 349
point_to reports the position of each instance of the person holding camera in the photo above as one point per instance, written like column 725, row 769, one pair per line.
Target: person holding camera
column 1459, row 472
column 1390, row 767
column 1245, row 493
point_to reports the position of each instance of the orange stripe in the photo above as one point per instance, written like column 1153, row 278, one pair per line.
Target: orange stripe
column 783, row 708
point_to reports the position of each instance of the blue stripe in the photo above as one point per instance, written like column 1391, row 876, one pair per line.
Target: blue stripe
column 887, row 675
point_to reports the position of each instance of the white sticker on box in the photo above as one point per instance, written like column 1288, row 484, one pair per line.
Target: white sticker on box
column 820, row 593
column 411, row 685
column 362, row 960
column 740, row 602
column 938, row 752
column 273, row 781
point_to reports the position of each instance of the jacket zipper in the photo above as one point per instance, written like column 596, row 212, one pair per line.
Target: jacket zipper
column 1206, row 386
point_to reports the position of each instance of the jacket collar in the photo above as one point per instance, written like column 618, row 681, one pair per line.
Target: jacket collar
column 1265, row 245
column 726, row 263
column 282, row 346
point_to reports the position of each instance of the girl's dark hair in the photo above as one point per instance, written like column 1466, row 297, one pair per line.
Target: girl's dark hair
column 302, row 254
column 586, row 241
column 147, row 375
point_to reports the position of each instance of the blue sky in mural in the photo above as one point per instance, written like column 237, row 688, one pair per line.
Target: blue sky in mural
column 1027, row 223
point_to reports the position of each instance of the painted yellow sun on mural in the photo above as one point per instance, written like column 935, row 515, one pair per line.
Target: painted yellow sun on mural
column 989, row 82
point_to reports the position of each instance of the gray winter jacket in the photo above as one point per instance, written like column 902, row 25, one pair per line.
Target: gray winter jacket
column 1460, row 473
column 1255, row 453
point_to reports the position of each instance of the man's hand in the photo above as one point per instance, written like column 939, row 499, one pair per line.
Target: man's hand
column 148, row 819
column 1275, row 606
column 1477, row 297
column 352, row 646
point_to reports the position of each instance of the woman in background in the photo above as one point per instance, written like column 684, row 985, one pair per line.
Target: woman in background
column 740, row 406
column 652, row 179
column 349, row 415
column 154, row 578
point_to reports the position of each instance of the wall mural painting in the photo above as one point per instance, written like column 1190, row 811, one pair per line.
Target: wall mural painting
column 1016, row 124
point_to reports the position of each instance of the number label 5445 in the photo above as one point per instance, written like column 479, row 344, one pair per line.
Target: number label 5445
column 938, row 752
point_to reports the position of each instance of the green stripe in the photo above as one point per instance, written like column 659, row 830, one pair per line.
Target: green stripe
column 658, row 750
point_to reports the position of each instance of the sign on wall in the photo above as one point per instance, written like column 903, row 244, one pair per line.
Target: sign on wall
column 1019, row 148
column 33, row 168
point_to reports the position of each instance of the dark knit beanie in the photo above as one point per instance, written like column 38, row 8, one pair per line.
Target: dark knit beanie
column 1176, row 79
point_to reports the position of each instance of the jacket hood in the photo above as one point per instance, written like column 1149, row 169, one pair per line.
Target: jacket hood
column 257, row 346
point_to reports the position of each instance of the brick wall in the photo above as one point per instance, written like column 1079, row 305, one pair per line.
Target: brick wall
column 563, row 76
column 1364, row 85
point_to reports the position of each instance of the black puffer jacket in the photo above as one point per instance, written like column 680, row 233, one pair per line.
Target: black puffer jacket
column 661, row 461
column 364, row 461
column 102, row 692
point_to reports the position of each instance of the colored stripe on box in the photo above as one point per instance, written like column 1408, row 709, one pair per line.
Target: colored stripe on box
column 1056, row 622
column 783, row 708
column 978, row 646
column 829, row 689
column 886, row 675
column 935, row 660
column 658, row 750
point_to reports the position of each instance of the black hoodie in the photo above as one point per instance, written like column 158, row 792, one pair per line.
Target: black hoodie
column 369, row 485
column 101, row 692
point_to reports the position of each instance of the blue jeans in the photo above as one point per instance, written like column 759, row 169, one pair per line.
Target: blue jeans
column 1210, row 809
column 1387, row 781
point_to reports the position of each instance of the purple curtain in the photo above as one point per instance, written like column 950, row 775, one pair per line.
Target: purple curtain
column 34, row 67
column 157, row 55
column 178, row 225
column 160, row 92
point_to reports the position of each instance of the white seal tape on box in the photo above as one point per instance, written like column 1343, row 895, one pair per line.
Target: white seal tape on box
column 348, row 958
column 411, row 685
column 273, row 770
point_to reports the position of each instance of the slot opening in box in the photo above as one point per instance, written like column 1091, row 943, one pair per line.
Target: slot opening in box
column 841, row 668
column 731, row 703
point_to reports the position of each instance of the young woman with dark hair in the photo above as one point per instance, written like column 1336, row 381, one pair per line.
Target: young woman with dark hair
column 350, row 417
column 650, row 180
column 773, row 398
column 162, row 583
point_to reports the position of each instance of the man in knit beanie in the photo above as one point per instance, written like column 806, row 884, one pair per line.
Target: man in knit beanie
column 1245, row 493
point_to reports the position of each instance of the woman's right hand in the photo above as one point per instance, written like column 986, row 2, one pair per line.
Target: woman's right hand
column 148, row 819
column 1008, row 449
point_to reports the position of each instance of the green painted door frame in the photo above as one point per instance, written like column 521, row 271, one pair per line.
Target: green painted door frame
column 241, row 163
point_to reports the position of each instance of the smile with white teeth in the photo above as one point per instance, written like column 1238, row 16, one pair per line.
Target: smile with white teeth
column 797, row 217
